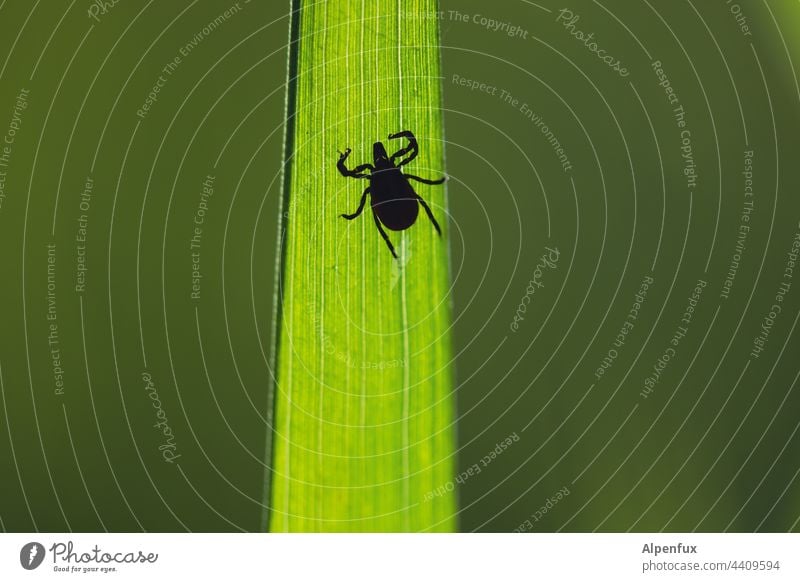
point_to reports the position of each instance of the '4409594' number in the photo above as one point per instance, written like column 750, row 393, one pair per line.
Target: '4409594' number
column 755, row 565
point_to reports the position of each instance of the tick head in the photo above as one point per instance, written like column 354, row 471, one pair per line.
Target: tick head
column 379, row 153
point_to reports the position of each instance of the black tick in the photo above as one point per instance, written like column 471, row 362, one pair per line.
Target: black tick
column 394, row 202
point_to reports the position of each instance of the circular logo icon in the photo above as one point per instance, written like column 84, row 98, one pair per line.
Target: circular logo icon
column 31, row 555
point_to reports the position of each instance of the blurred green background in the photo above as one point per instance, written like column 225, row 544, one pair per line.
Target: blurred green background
column 630, row 196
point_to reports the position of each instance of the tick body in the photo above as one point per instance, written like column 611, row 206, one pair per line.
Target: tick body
column 394, row 202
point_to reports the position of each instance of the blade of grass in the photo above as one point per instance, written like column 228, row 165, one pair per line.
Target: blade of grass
column 364, row 437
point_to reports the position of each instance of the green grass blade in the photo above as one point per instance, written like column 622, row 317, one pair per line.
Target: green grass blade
column 363, row 399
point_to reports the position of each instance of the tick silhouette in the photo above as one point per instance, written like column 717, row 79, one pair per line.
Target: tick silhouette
column 394, row 202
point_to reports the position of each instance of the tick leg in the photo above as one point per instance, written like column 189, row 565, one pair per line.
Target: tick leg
column 360, row 206
column 424, row 180
column 357, row 172
column 412, row 147
column 383, row 234
column 430, row 214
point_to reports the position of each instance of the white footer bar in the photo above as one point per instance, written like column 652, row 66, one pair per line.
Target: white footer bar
column 400, row 557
